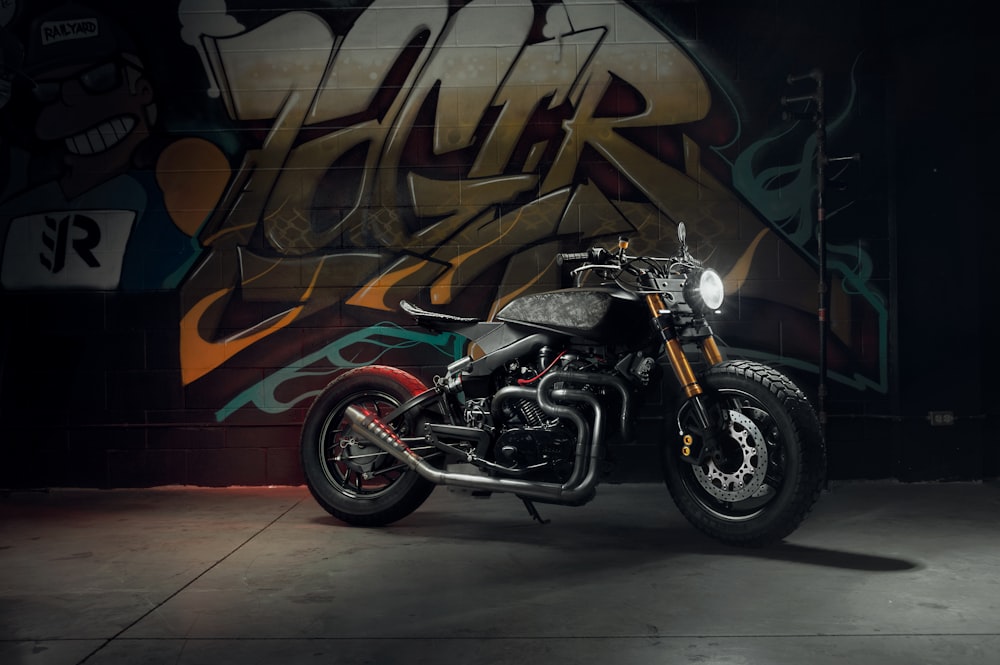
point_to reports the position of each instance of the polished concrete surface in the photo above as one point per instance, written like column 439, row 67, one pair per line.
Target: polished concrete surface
column 881, row 573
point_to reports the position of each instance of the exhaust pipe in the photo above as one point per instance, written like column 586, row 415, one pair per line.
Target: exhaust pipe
column 374, row 431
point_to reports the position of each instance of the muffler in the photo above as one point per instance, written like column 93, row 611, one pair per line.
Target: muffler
column 374, row 431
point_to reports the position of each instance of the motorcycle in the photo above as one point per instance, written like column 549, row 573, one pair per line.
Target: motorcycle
column 555, row 381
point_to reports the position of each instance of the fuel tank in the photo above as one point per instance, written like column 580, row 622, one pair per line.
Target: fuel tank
column 598, row 314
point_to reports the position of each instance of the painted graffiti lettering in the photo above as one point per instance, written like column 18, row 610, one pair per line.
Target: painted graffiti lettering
column 57, row 240
column 503, row 77
column 60, row 31
column 437, row 149
column 455, row 139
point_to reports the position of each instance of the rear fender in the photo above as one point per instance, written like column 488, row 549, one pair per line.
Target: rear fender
column 409, row 381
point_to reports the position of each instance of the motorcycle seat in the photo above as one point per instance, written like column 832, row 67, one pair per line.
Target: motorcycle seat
column 431, row 319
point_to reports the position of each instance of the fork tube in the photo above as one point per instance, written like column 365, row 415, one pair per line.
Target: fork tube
column 679, row 362
column 710, row 350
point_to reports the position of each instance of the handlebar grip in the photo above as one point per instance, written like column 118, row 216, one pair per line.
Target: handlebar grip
column 571, row 257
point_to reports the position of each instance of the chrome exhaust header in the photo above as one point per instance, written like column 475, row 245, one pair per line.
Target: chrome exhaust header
column 580, row 485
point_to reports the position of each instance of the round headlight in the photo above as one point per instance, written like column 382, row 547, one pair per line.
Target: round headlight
column 711, row 289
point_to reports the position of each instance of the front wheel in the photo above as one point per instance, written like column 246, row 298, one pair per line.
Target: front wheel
column 772, row 460
column 350, row 478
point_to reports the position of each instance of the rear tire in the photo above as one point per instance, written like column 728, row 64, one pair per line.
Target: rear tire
column 775, row 464
column 352, row 479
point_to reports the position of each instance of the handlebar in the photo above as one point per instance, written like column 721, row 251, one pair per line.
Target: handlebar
column 571, row 257
column 628, row 271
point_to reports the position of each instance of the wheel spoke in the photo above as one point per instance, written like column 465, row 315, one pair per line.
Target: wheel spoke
column 352, row 464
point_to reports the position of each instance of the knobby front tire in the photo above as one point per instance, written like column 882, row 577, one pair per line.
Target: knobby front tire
column 773, row 431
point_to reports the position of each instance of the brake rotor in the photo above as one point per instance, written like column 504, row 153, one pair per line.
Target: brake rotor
column 746, row 480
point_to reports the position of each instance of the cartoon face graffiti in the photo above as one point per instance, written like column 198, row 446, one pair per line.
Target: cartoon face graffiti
column 94, row 100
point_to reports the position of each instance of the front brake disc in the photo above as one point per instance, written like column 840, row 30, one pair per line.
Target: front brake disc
column 742, row 481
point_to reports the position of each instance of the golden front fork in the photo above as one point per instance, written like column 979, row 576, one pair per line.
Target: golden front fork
column 710, row 350
column 682, row 368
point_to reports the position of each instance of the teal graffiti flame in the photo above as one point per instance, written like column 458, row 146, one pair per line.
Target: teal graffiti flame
column 381, row 338
column 783, row 195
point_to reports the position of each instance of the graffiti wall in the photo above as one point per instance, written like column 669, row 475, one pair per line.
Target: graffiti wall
column 209, row 208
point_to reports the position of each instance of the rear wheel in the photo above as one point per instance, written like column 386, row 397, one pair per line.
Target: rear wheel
column 350, row 478
column 772, row 463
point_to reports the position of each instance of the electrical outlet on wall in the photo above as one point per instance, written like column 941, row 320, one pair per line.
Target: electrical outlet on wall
column 941, row 418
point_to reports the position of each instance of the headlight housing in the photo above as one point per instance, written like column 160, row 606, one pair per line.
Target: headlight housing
column 705, row 291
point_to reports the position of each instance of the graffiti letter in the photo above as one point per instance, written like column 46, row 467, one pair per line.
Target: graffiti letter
column 92, row 239
column 57, row 256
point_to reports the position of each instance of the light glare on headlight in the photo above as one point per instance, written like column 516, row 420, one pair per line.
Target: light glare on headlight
column 712, row 290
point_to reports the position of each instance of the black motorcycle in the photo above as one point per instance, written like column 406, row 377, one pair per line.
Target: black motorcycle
column 554, row 381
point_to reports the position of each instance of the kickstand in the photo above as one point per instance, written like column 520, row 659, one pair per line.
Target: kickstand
column 533, row 511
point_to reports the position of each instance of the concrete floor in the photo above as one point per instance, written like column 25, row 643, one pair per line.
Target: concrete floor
column 881, row 573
